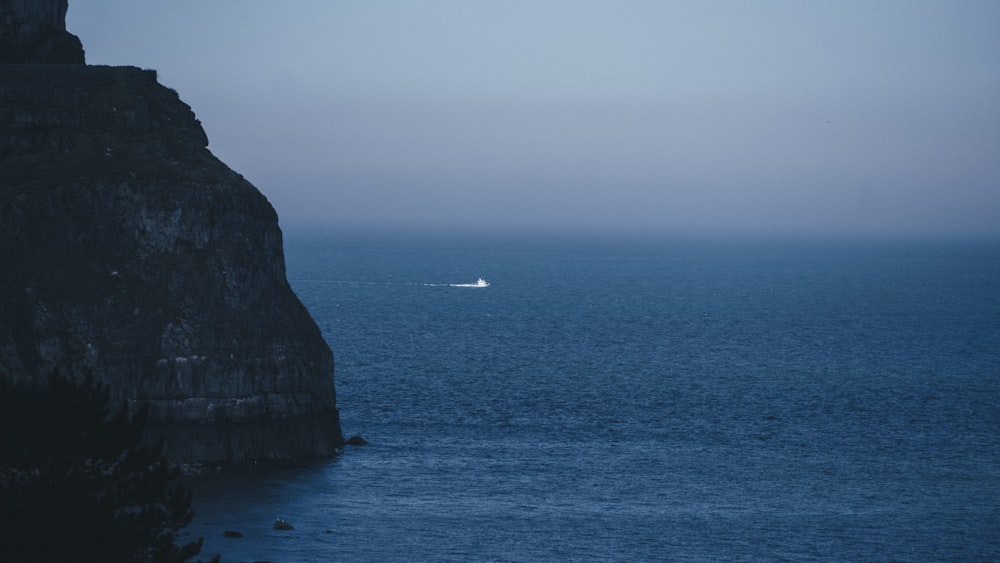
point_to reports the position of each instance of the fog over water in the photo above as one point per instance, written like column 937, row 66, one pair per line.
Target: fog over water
column 651, row 117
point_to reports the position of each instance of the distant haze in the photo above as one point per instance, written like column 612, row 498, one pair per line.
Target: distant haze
column 797, row 117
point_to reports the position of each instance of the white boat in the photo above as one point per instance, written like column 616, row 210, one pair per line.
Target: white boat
column 479, row 283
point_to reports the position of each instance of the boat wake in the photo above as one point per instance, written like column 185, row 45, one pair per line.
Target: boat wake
column 478, row 283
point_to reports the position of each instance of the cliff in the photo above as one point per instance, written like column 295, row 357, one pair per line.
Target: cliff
column 129, row 250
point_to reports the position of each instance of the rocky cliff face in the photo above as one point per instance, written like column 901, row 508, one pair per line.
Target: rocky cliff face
column 127, row 249
column 34, row 31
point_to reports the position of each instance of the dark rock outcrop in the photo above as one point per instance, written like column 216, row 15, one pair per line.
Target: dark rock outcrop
column 34, row 31
column 128, row 250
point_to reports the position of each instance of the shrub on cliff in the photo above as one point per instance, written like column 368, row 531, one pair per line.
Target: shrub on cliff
column 77, row 483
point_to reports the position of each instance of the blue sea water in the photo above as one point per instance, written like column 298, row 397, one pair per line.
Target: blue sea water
column 641, row 401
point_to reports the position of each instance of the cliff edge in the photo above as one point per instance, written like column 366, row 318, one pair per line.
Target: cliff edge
column 128, row 250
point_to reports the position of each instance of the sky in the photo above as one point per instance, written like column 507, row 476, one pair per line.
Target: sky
column 658, row 117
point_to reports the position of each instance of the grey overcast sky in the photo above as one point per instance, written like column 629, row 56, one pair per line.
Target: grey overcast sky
column 797, row 117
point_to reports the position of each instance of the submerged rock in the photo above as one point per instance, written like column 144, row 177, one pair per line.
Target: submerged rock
column 357, row 441
column 128, row 250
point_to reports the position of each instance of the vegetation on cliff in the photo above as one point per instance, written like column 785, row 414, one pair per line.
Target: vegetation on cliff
column 77, row 483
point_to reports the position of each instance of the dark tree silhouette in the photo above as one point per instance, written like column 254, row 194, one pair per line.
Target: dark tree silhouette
column 78, row 483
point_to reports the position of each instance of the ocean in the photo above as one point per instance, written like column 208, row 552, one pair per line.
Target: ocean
column 635, row 400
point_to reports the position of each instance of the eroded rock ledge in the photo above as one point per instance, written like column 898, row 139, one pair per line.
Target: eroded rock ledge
column 34, row 31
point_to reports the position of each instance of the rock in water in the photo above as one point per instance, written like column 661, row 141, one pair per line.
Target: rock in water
column 129, row 250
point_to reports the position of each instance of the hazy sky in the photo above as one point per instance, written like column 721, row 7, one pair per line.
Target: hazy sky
column 749, row 116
